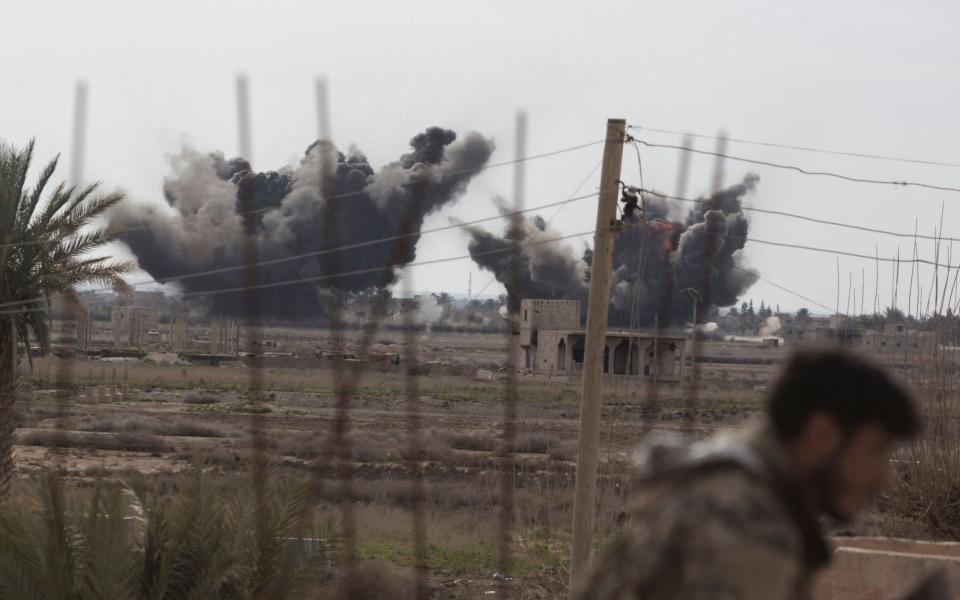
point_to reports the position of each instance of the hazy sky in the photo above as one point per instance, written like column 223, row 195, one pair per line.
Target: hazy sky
column 878, row 77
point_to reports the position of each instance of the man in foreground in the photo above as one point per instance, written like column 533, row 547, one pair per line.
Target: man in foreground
column 735, row 517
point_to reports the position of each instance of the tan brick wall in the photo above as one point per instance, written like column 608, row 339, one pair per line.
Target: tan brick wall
column 537, row 314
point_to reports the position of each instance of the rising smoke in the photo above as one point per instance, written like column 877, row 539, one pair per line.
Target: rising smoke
column 213, row 202
column 655, row 260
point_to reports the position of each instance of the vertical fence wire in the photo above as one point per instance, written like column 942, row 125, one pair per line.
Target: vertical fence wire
column 664, row 314
column 66, row 390
column 252, row 337
column 415, row 445
column 337, row 451
column 507, row 462
column 704, row 295
column 335, row 457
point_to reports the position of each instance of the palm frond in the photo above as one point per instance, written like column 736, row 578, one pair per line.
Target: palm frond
column 59, row 197
column 13, row 173
column 59, row 549
column 79, row 214
column 107, row 564
column 27, row 208
column 22, row 569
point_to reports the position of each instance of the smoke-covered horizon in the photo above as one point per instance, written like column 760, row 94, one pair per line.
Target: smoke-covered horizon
column 288, row 216
column 657, row 257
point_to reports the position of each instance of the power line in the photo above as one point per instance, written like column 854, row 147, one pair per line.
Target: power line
column 550, row 220
column 354, row 193
column 536, row 243
column 357, row 272
column 381, row 269
column 460, row 225
column 802, row 148
column 575, row 190
column 803, row 171
column 784, row 288
column 922, row 261
column 814, row 219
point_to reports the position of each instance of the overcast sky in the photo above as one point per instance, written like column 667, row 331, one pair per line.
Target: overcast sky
column 878, row 77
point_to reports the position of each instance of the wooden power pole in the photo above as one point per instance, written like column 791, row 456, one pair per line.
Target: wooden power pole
column 585, row 491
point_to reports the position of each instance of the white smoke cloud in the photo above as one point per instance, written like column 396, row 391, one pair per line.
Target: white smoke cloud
column 429, row 310
column 771, row 327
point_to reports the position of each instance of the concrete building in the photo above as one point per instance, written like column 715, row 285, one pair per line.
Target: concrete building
column 225, row 336
column 131, row 324
column 797, row 332
column 896, row 342
column 552, row 343
column 180, row 334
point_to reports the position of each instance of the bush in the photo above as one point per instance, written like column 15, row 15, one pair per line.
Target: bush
column 129, row 442
column 174, row 427
column 200, row 398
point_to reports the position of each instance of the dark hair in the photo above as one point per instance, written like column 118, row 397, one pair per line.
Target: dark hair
column 849, row 388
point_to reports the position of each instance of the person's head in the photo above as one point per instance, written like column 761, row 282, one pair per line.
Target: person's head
column 838, row 415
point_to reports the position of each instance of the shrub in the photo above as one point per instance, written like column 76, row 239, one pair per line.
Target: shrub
column 200, row 398
column 130, row 442
column 174, row 427
column 197, row 544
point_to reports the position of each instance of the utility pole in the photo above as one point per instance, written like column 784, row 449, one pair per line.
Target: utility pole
column 588, row 450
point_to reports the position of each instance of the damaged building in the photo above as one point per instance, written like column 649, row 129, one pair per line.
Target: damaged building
column 552, row 343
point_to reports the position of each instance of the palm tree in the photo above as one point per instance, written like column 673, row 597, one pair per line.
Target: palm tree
column 45, row 250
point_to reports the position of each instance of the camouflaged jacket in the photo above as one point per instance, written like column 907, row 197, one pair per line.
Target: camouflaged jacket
column 714, row 520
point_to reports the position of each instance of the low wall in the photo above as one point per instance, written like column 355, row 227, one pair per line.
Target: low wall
column 884, row 568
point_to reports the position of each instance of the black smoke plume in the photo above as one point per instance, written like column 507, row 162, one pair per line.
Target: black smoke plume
column 214, row 201
column 658, row 255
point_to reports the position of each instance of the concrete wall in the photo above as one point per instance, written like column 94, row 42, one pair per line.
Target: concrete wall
column 131, row 323
column 909, row 346
column 547, row 351
column 538, row 314
column 225, row 336
column 886, row 568
column 180, row 334
column 546, row 356
column 120, row 324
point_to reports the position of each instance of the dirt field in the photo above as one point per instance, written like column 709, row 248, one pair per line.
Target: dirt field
column 136, row 420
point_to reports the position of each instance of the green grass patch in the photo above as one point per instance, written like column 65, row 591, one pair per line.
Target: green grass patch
column 478, row 559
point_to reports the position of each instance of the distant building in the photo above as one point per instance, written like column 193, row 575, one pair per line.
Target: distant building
column 552, row 343
column 131, row 324
column 896, row 342
column 797, row 332
column 225, row 336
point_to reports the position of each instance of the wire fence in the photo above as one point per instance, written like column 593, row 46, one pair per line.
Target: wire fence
column 531, row 497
